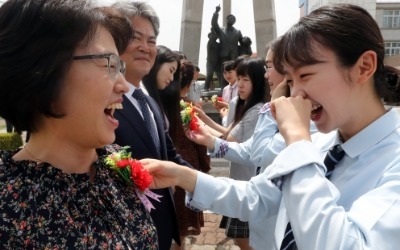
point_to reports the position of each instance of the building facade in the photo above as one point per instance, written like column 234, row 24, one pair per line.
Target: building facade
column 386, row 14
column 388, row 19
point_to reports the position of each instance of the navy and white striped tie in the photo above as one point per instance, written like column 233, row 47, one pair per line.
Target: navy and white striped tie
column 334, row 155
column 140, row 97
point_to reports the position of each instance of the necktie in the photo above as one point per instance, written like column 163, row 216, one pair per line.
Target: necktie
column 334, row 155
column 231, row 93
column 139, row 96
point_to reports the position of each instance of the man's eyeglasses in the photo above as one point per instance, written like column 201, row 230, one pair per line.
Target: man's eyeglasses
column 114, row 63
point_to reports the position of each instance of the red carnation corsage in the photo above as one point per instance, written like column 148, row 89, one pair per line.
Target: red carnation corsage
column 188, row 116
column 133, row 173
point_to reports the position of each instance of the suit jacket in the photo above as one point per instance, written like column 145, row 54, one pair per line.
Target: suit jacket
column 133, row 132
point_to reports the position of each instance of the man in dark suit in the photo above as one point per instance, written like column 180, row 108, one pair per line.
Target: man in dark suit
column 134, row 128
column 229, row 39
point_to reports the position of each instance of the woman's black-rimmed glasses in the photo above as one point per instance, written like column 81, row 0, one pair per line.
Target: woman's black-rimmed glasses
column 114, row 63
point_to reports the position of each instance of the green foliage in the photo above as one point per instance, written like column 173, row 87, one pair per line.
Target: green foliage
column 10, row 141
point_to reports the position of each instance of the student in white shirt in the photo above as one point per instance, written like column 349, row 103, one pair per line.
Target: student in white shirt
column 333, row 61
column 230, row 92
column 195, row 88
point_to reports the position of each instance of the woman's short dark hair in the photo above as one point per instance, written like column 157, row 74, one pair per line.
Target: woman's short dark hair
column 228, row 65
column 164, row 55
column 348, row 30
column 37, row 42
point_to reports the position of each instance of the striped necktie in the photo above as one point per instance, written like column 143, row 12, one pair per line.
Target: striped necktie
column 334, row 155
column 140, row 97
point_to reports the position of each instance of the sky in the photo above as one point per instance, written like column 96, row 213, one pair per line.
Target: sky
column 170, row 14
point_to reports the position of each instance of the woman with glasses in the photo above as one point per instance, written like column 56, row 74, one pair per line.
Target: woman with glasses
column 60, row 70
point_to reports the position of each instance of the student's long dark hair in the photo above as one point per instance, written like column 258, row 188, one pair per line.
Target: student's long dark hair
column 254, row 68
column 164, row 55
column 392, row 76
column 170, row 96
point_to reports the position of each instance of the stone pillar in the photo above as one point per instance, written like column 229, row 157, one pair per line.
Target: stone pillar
column 226, row 10
column 265, row 24
column 192, row 13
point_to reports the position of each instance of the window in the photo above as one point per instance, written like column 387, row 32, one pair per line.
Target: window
column 392, row 48
column 391, row 19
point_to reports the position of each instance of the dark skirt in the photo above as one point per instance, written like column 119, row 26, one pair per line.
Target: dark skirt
column 235, row 228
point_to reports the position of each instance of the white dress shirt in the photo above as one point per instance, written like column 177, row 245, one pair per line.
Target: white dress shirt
column 358, row 208
column 229, row 92
column 257, row 152
column 194, row 93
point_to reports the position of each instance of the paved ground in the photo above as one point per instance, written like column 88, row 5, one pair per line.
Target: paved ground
column 211, row 237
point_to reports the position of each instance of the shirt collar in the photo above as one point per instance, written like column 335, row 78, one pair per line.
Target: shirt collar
column 132, row 88
column 372, row 134
column 233, row 86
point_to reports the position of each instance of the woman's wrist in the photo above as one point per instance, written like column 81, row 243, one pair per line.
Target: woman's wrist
column 211, row 142
column 187, row 179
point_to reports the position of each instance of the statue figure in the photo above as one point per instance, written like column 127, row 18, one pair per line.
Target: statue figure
column 245, row 47
column 213, row 61
column 229, row 39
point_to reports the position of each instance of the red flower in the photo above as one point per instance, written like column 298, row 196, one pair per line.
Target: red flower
column 188, row 116
column 220, row 99
column 122, row 163
column 139, row 176
column 194, row 125
column 130, row 170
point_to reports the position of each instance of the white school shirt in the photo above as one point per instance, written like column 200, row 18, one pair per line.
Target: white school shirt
column 229, row 92
column 257, row 152
column 358, row 208
column 194, row 93
column 262, row 148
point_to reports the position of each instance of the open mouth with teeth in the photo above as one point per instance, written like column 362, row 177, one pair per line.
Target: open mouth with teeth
column 316, row 110
column 111, row 109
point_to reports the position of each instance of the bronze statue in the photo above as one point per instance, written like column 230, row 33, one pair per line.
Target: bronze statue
column 213, row 60
column 245, row 47
column 229, row 39
column 229, row 36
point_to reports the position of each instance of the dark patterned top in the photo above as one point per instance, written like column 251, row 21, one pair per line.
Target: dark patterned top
column 43, row 208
